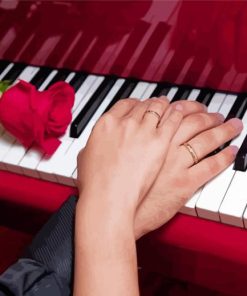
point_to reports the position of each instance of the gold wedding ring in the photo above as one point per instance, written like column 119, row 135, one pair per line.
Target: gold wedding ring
column 153, row 113
column 192, row 153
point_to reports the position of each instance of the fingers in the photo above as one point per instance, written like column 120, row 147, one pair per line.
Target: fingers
column 123, row 107
column 210, row 167
column 189, row 107
column 169, row 127
column 155, row 108
column 208, row 141
column 196, row 123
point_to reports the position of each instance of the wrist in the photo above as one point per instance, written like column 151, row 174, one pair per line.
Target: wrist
column 104, row 213
column 112, row 199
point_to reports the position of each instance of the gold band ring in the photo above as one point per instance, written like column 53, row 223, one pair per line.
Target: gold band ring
column 192, row 153
column 154, row 113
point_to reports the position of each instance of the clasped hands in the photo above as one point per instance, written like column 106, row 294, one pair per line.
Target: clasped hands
column 136, row 168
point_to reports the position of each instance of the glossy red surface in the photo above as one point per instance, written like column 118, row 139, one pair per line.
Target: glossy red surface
column 201, row 43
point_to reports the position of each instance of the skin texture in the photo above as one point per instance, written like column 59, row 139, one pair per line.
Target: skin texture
column 133, row 175
column 179, row 179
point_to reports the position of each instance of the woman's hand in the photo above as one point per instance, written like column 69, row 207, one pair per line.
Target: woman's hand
column 126, row 150
column 179, row 178
column 119, row 164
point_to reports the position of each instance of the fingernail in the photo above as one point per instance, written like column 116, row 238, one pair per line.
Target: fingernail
column 237, row 123
column 221, row 117
column 234, row 150
column 178, row 107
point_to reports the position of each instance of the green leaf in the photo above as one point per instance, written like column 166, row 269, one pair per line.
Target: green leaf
column 4, row 85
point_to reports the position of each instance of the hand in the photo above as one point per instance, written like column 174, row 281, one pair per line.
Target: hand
column 179, row 179
column 115, row 170
column 126, row 150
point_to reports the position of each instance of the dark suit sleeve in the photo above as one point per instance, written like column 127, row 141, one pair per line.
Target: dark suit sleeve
column 46, row 268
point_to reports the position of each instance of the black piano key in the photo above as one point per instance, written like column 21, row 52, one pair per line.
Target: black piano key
column 123, row 93
column 83, row 118
column 41, row 76
column 60, row 76
column 182, row 93
column 77, row 80
column 240, row 163
column 3, row 65
column 238, row 110
column 239, row 107
column 14, row 72
column 162, row 89
column 205, row 96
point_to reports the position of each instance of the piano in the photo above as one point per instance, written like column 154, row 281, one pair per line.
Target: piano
column 111, row 50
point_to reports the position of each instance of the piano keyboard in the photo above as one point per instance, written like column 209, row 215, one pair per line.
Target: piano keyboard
column 222, row 199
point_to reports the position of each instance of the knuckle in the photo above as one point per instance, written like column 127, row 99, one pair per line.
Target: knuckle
column 164, row 99
column 226, row 157
column 107, row 119
column 175, row 118
column 201, row 119
column 158, row 102
column 127, row 102
column 213, row 166
column 130, row 122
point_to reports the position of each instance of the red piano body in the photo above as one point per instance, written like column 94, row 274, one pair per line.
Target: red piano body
column 197, row 43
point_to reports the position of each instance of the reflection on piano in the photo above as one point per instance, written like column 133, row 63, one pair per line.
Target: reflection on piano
column 112, row 50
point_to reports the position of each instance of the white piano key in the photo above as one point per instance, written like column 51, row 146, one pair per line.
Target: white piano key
column 64, row 172
column 227, row 105
column 65, row 169
column 234, row 204
column 17, row 151
column 48, row 80
column 139, row 90
column 83, row 89
column 13, row 157
column 70, row 77
column 28, row 73
column 172, row 93
column 84, row 94
column 149, row 91
column 32, row 157
column 193, row 95
column 216, row 102
column 84, row 97
column 245, row 218
column 49, row 168
column 214, row 192
column 30, row 161
column 74, row 177
column 6, row 141
column 12, row 153
column 190, row 207
column 47, row 165
column 214, row 106
column 6, row 70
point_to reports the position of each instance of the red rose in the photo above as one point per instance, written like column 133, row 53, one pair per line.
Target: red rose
column 37, row 118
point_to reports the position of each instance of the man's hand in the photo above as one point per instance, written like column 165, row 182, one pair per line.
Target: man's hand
column 179, row 178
